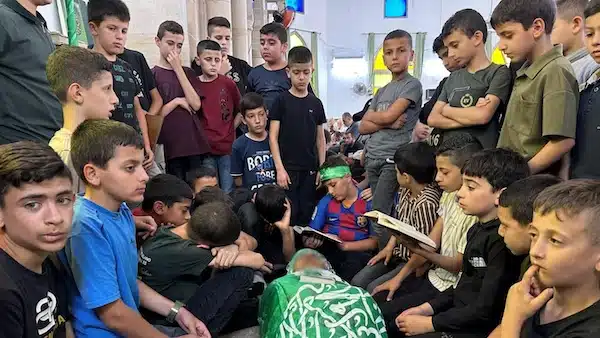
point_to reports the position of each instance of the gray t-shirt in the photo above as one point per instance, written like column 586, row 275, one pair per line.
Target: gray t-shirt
column 584, row 66
column 384, row 143
column 464, row 89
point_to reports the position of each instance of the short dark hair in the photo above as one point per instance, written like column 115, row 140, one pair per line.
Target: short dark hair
column 418, row 160
column 399, row 34
column 201, row 171
column 520, row 195
column 169, row 26
column 525, row 12
column 96, row 141
column 468, row 21
column 299, row 54
column 277, row 29
column 458, row 147
column 251, row 101
column 568, row 9
column 270, row 202
column 500, row 167
column 207, row 45
column 347, row 115
column 438, row 44
column 99, row 10
column 70, row 64
column 570, row 199
column 28, row 162
column 592, row 8
column 334, row 161
column 211, row 194
column 215, row 224
column 166, row 188
column 217, row 21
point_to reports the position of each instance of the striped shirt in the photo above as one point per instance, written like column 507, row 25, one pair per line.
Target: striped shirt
column 420, row 212
column 454, row 238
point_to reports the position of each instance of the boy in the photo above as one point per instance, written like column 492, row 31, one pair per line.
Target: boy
column 168, row 200
column 416, row 203
column 407, row 288
column 182, row 133
column 584, row 163
column 569, row 31
column 82, row 81
column 36, row 208
column 474, row 96
column 252, row 164
column 296, row 136
column 474, row 306
column 390, row 120
column 221, row 105
column 109, row 23
column 565, row 257
column 174, row 263
column 100, row 254
column 541, row 114
column 202, row 177
column 340, row 213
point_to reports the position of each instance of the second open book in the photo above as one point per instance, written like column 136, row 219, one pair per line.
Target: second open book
column 400, row 227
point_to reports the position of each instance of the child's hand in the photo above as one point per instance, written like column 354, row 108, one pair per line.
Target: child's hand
column 145, row 225
column 318, row 179
column 367, row 194
column 174, row 60
column 149, row 159
column 391, row 286
column 192, row 325
column 407, row 242
column 525, row 299
column 284, row 223
column 415, row 325
column 385, row 254
column 182, row 102
column 283, row 179
column 312, row 241
column 224, row 256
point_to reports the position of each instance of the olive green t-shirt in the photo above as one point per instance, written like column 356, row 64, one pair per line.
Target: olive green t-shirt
column 543, row 104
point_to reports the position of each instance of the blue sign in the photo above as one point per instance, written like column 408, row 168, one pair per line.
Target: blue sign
column 395, row 8
column 296, row 5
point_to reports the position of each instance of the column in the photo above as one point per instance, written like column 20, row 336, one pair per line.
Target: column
column 260, row 19
column 239, row 28
column 218, row 8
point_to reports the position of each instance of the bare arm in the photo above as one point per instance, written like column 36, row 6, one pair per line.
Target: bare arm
column 249, row 259
column 497, row 333
column 169, row 107
column 237, row 121
column 69, row 330
column 321, row 144
column 437, row 120
column 388, row 117
column 289, row 245
column 367, row 127
column 141, row 116
column 191, row 96
column 157, row 102
column 551, row 153
column 473, row 116
column 119, row 318
column 362, row 245
column 274, row 144
column 246, row 242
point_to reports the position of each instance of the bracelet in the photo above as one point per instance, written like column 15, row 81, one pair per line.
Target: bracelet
column 174, row 311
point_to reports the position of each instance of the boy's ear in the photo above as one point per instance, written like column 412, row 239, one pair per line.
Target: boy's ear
column 74, row 93
column 284, row 47
column 93, row 28
column 197, row 60
column 91, row 174
column 538, row 28
column 1, row 218
column 577, row 24
column 159, row 207
column 287, row 71
column 478, row 36
column 157, row 41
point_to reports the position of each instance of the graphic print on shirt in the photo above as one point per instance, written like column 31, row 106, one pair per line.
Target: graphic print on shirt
column 226, row 113
column 125, row 101
column 263, row 167
column 46, row 315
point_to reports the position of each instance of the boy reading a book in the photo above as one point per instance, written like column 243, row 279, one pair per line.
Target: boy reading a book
column 340, row 213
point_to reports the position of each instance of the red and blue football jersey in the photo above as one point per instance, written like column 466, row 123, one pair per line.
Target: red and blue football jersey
column 349, row 224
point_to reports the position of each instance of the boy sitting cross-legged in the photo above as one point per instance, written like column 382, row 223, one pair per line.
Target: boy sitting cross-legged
column 100, row 254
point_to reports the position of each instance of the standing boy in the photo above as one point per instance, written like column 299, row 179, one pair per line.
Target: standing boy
column 109, row 23
column 221, row 105
column 541, row 113
column 252, row 164
column 182, row 133
column 296, row 136
column 100, row 254
column 474, row 96
column 391, row 118
column 36, row 208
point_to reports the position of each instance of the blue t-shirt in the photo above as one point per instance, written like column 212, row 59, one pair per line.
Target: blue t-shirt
column 101, row 256
column 253, row 161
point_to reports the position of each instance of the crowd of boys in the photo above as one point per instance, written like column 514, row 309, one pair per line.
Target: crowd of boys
column 497, row 169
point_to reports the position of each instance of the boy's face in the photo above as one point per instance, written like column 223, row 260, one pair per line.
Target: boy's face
column 177, row 214
column 210, row 61
column 99, row 100
column 476, row 196
column 592, row 36
column 516, row 42
column 448, row 176
column 450, row 64
column 111, row 35
column 271, row 48
column 300, row 75
column 397, row 53
column 222, row 35
column 564, row 32
column 461, row 48
column 124, row 178
column 256, row 120
column 338, row 187
column 204, row 182
column 348, row 139
column 37, row 216
column 170, row 42
column 563, row 249
column 516, row 236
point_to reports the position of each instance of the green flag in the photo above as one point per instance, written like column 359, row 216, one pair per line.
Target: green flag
column 72, row 23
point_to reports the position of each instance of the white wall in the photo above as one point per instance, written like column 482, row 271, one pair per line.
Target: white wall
column 50, row 14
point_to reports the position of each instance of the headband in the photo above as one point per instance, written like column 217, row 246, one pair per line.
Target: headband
column 334, row 172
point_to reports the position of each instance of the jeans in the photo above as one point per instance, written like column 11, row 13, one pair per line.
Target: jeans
column 171, row 331
column 372, row 276
column 382, row 179
column 223, row 166
column 346, row 264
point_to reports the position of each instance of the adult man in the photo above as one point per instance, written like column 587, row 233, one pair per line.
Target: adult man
column 351, row 126
column 350, row 145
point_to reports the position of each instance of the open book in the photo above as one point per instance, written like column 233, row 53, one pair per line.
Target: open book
column 311, row 231
column 400, row 227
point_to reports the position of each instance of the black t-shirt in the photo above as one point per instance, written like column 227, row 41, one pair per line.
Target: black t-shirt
column 354, row 147
column 126, row 87
column 270, row 242
column 31, row 305
column 142, row 74
column 299, row 119
column 584, row 324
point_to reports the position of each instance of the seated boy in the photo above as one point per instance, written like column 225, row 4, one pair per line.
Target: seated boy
column 565, row 258
column 36, row 207
column 82, row 81
column 474, row 306
column 340, row 213
column 416, row 203
column 175, row 260
column 202, row 177
column 100, row 254
column 168, row 200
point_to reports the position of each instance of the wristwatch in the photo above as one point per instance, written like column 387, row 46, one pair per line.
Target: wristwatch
column 174, row 311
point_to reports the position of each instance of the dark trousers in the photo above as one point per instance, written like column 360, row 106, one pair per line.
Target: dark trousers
column 181, row 166
column 301, row 194
column 345, row 263
column 219, row 297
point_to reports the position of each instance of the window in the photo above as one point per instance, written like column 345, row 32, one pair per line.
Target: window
column 296, row 5
column 395, row 8
column 296, row 40
column 381, row 75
